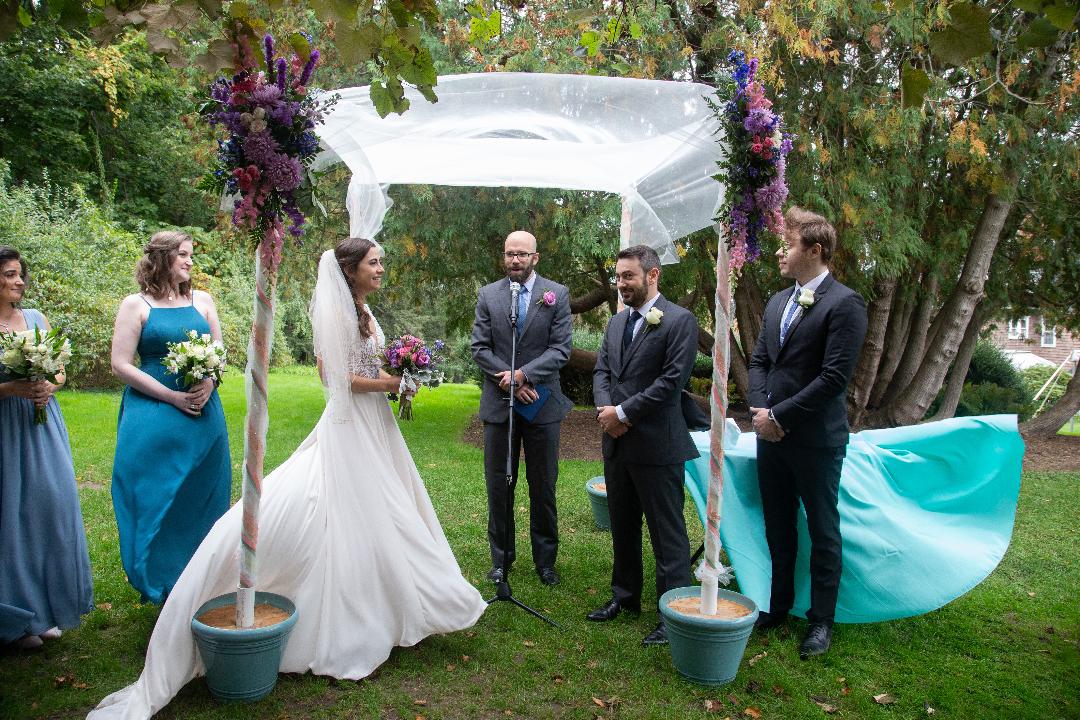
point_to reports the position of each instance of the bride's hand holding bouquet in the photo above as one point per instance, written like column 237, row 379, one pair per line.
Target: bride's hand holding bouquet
column 411, row 359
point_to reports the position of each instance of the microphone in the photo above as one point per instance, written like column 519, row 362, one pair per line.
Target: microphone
column 515, row 291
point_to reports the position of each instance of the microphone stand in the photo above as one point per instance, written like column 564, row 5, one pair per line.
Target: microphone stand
column 502, row 588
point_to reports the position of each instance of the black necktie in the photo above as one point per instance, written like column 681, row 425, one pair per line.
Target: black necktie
column 628, row 333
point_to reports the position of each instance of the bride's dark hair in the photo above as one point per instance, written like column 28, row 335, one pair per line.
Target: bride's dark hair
column 349, row 253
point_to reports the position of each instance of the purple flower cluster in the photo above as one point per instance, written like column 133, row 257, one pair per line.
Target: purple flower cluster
column 755, row 164
column 269, row 119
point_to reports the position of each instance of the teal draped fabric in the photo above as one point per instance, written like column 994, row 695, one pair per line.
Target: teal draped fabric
column 926, row 513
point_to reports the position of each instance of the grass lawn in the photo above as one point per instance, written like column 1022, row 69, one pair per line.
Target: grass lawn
column 1010, row 648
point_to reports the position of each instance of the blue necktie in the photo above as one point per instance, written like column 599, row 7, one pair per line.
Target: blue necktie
column 523, row 308
column 628, row 333
column 788, row 317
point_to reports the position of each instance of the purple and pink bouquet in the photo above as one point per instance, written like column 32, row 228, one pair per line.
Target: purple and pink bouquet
column 417, row 364
column 269, row 117
column 757, row 149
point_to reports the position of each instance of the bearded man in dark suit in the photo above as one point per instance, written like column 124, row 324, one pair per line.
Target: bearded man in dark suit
column 810, row 340
column 543, row 346
column 641, row 369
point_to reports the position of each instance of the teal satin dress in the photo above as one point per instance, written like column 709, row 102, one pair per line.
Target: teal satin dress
column 171, row 475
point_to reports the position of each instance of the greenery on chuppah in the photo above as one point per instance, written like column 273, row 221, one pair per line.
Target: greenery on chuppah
column 1005, row 649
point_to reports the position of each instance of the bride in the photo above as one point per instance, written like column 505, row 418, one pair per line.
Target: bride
column 347, row 531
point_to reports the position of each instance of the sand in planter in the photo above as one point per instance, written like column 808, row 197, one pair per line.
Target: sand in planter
column 224, row 617
column 725, row 609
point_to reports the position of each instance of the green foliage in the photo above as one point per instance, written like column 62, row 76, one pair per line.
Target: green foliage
column 1037, row 375
column 110, row 119
column 992, row 385
column 80, row 267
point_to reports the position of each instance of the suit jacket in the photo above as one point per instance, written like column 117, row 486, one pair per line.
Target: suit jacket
column 647, row 380
column 805, row 381
column 542, row 350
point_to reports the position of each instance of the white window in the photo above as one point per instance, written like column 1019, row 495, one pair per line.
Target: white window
column 1020, row 328
column 1049, row 334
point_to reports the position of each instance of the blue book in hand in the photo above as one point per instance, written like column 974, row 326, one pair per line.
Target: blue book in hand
column 529, row 411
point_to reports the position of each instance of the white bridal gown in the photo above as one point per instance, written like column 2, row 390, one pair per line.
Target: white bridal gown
column 348, row 533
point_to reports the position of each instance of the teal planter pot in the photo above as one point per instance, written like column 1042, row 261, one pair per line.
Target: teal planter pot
column 707, row 650
column 598, row 501
column 242, row 665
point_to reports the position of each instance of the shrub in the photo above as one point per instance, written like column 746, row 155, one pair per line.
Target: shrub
column 992, row 385
column 81, row 266
column 1035, row 377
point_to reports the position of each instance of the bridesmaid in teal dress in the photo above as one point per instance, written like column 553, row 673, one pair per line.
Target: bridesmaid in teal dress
column 45, row 583
column 172, row 474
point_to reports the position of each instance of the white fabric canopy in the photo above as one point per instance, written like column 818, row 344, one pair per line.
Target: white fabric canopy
column 652, row 142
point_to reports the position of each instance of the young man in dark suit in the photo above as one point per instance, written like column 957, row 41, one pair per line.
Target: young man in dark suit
column 810, row 340
column 641, row 369
column 543, row 347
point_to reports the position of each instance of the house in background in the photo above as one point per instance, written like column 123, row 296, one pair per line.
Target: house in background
column 1031, row 340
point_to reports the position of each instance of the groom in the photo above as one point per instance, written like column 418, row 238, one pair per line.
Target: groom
column 810, row 340
column 543, row 347
column 641, row 369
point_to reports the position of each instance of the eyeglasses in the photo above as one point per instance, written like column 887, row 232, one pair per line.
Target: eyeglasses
column 519, row 255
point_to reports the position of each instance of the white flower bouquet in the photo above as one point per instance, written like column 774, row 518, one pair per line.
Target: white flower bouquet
column 35, row 356
column 197, row 358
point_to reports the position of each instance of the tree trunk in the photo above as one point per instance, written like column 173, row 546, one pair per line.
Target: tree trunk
column 895, row 336
column 581, row 359
column 739, row 371
column 911, row 405
column 915, row 348
column 955, row 385
column 865, row 372
column 593, row 299
column 749, row 312
column 1054, row 417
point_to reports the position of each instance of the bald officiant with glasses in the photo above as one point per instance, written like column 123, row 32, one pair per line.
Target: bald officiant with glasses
column 543, row 347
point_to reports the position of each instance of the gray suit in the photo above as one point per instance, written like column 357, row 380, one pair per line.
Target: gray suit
column 643, row 469
column 543, row 348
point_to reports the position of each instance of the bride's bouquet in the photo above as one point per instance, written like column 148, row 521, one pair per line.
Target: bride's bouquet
column 35, row 356
column 197, row 358
column 417, row 364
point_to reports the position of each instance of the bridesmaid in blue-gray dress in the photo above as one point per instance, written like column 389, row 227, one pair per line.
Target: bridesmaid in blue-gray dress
column 45, row 583
column 171, row 474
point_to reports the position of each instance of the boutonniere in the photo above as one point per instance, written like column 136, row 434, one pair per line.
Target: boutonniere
column 653, row 318
column 547, row 298
column 806, row 297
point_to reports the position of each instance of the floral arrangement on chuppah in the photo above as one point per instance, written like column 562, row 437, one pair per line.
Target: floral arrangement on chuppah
column 753, row 170
column 270, row 119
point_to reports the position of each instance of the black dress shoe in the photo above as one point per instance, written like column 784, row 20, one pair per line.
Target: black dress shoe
column 611, row 611
column 496, row 575
column 769, row 620
column 548, row 576
column 817, row 640
column 657, row 637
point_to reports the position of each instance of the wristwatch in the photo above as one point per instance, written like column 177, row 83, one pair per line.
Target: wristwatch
column 773, row 418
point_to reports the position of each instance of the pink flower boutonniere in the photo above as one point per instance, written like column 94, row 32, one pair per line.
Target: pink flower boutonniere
column 547, row 298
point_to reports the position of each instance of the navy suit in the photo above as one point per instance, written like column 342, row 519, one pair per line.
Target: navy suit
column 643, row 469
column 804, row 382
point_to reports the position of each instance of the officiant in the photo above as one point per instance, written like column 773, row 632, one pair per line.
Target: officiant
column 543, row 347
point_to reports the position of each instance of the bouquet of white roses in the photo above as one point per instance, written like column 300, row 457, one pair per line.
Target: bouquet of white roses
column 197, row 358
column 35, row 355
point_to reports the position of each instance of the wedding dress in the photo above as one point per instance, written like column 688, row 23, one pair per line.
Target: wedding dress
column 347, row 532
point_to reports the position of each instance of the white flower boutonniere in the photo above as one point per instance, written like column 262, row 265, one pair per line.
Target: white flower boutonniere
column 806, row 297
column 653, row 317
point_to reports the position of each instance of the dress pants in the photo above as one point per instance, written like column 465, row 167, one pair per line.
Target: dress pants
column 657, row 492
column 541, row 443
column 786, row 475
